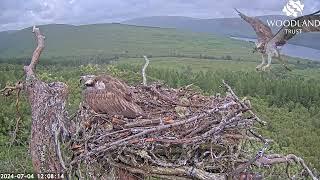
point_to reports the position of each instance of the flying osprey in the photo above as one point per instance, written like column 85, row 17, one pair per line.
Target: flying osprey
column 107, row 95
column 267, row 42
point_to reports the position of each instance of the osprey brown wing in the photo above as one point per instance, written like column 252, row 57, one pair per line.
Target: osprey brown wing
column 102, row 101
column 286, row 33
column 116, row 86
column 263, row 31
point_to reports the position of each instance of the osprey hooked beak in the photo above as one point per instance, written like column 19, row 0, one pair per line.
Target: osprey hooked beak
column 87, row 80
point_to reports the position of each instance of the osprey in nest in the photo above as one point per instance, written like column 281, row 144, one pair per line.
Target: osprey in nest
column 107, row 95
column 268, row 43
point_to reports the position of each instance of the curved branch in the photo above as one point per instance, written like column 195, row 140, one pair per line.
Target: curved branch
column 9, row 90
column 30, row 70
column 144, row 70
column 278, row 159
column 242, row 167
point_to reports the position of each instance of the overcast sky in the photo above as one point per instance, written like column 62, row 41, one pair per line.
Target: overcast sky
column 18, row 14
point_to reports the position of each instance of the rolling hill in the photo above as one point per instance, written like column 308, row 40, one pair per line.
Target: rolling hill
column 222, row 26
column 115, row 39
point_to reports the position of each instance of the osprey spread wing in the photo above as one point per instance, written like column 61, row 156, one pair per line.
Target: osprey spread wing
column 105, row 94
column 268, row 43
column 264, row 32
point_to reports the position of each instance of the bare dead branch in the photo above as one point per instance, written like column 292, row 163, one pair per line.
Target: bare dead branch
column 144, row 76
column 56, row 132
column 9, row 90
column 242, row 167
column 19, row 117
column 279, row 159
column 49, row 115
column 30, row 70
column 243, row 105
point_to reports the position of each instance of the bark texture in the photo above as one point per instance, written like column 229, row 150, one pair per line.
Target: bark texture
column 48, row 116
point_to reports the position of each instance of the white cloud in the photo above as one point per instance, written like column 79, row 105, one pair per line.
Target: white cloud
column 16, row 14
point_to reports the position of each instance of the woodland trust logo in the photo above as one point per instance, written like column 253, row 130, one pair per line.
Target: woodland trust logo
column 293, row 9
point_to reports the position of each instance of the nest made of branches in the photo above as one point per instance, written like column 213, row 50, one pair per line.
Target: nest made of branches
column 185, row 135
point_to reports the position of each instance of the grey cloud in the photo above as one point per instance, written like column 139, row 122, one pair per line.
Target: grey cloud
column 17, row 14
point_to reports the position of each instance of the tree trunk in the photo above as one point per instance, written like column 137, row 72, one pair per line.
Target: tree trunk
column 48, row 116
column 48, row 113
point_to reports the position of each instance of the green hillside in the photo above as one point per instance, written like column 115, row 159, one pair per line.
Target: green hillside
column 222, row 26
column 117, row 39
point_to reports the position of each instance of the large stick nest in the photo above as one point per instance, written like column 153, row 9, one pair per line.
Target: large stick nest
column 186, row 135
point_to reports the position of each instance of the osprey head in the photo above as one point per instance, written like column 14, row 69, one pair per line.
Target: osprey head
column 88, row 80
column 91, row 81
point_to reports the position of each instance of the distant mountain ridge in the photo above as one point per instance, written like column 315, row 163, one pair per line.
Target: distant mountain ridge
column 221, row 26
column 115, row 39
column 109, row 40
